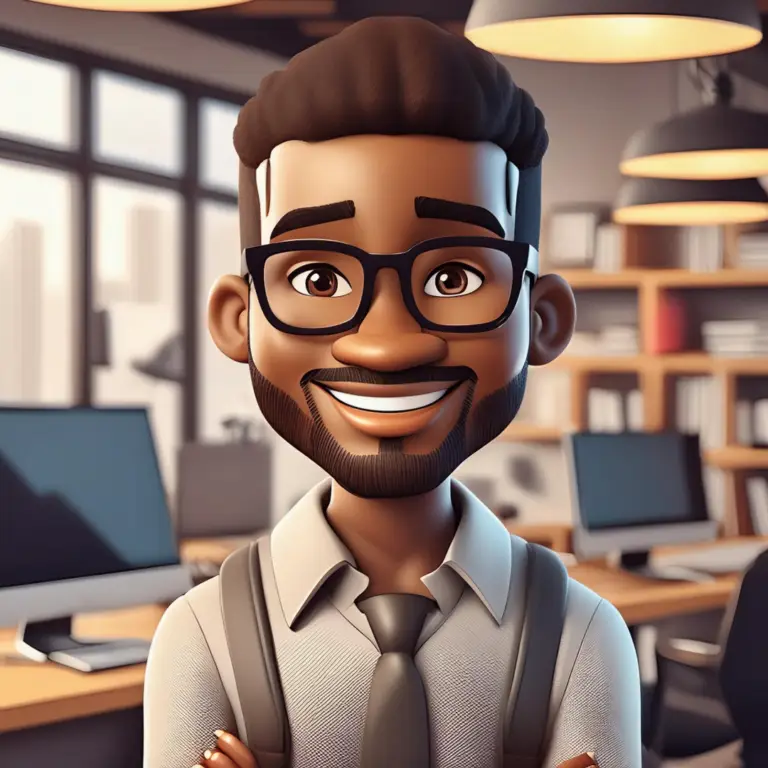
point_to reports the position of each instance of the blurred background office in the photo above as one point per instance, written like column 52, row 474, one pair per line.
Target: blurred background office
column 118, row 210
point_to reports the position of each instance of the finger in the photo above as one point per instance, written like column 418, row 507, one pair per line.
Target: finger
column 212, row 758
column 587, row 760
column 235, row 750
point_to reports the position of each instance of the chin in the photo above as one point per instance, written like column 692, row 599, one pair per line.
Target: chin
column 391, row 473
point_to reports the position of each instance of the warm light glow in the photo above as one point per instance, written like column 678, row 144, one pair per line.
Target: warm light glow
column 142, row 6
column 614, row 39
column 712, row 164
column 691, row 214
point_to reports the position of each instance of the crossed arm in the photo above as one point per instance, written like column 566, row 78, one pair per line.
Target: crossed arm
column 189, row 721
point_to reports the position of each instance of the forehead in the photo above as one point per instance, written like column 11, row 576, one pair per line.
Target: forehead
column 386, row 173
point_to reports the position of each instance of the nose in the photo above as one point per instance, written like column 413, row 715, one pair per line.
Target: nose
column 389, row 338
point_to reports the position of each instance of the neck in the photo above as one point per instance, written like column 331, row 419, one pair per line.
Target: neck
column 394, row 541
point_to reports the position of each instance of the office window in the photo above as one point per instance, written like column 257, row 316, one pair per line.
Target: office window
column 36, row 285
column 138, row 124
column 218, row 160
column 37, row 97
column 224, row 386
column 137, row 304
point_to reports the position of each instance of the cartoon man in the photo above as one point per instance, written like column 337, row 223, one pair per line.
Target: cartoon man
column 388, row 306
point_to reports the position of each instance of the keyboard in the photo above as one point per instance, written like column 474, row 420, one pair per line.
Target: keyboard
column 100, row 656
column 716, row 560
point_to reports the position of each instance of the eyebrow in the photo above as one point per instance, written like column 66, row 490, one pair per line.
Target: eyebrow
column 310, row 217
column 448, row 210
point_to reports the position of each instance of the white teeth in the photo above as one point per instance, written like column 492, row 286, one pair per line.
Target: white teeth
column 388, row 404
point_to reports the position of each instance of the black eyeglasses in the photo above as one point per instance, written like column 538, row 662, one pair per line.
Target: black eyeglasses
column 449, row 284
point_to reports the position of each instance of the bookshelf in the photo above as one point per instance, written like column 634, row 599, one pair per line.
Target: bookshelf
column 648, row 277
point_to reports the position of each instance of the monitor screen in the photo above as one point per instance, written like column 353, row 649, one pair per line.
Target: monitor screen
column 638, row 479
column 80, row 495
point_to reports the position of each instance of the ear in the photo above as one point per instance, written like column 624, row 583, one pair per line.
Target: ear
column 553, row 319
column 228, row 317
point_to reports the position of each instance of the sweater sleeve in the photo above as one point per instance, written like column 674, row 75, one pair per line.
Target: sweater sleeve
column 184, row 699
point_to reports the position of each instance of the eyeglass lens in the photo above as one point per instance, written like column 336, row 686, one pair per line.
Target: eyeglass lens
column 451, row 286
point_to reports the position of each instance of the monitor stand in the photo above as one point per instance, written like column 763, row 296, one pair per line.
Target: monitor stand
column 639, row 563
column 52, row 640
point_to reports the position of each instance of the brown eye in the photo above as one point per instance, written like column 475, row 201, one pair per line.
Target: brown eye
column 452, row 280
column 321, row 281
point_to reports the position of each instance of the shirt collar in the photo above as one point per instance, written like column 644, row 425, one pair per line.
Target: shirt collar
column 306, row 553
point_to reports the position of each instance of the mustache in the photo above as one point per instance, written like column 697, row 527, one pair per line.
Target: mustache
column 355, row 375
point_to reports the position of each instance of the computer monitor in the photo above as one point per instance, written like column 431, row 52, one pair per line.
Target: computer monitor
column 633, row 491
column 84, row 526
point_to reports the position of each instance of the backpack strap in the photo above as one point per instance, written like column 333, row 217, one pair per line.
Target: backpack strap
column 252, row 651
column 527, row 715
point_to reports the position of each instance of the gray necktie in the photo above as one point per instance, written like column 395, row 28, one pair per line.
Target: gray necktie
column 397, row 728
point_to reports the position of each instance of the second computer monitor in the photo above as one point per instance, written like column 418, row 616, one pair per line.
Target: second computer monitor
column 635, row 491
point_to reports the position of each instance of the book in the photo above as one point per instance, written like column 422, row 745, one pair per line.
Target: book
column 744, row 423
column 608, row 248
column 760, row 423
column 757, row 498
column 635, row 417
column 699, row 409
column 669, row 327
column 703, row 248
column 605, row 410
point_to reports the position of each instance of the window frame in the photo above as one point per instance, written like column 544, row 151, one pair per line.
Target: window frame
column 83, row 165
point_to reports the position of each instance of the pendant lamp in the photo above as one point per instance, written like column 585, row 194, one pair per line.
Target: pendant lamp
column 614, row 31
column 717, row 141
column 685, row 203
column 141, row 6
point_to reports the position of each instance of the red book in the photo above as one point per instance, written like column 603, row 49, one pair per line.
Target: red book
column 668, row 331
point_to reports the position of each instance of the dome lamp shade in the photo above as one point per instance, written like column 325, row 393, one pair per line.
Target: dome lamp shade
column 614, row 31
column 686, row 203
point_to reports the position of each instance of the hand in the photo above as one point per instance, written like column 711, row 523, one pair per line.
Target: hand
column 587, row 760
column 229, row 752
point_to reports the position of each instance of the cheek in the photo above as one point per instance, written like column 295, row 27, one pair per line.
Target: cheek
column 497, row 357
column 284, row 359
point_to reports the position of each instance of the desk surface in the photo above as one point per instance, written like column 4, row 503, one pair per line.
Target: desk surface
column 36, row 694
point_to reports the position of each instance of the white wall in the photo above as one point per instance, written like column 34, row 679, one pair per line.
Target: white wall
column 146, row 40
column 591, row 111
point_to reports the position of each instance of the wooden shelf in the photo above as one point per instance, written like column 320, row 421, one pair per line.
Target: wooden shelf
column 680, row 362
column 738, row 458
column 588, row 279
column 602, row 363
column 701, row 362
column 532, row 433
column 731, row 278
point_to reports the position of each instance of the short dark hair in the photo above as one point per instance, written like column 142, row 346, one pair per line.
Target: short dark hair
column 392, row 76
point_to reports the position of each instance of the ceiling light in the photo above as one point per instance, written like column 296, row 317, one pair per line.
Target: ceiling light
column 614, row 31
column 713, row 142
column 142, row 6
column 685, row 203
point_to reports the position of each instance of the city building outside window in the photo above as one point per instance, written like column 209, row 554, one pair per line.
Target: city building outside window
column 118, row 209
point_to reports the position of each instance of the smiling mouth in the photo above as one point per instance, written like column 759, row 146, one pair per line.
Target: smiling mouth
column 390, row 410
column 402, row 404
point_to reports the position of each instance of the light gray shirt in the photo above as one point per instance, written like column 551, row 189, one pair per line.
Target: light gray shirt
column 326, row 654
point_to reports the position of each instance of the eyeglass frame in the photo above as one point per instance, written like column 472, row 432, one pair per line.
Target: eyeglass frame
column 524, row 258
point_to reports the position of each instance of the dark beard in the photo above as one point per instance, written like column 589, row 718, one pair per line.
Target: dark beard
column 391, row 473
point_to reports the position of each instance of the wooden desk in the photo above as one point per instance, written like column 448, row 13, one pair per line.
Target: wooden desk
column 34, row 694
column 37, row 694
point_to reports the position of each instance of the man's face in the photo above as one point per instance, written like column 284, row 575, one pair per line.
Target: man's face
column 388, row 409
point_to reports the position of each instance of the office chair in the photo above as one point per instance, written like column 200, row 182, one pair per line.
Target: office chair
column 744, row 665
column 685, row 711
